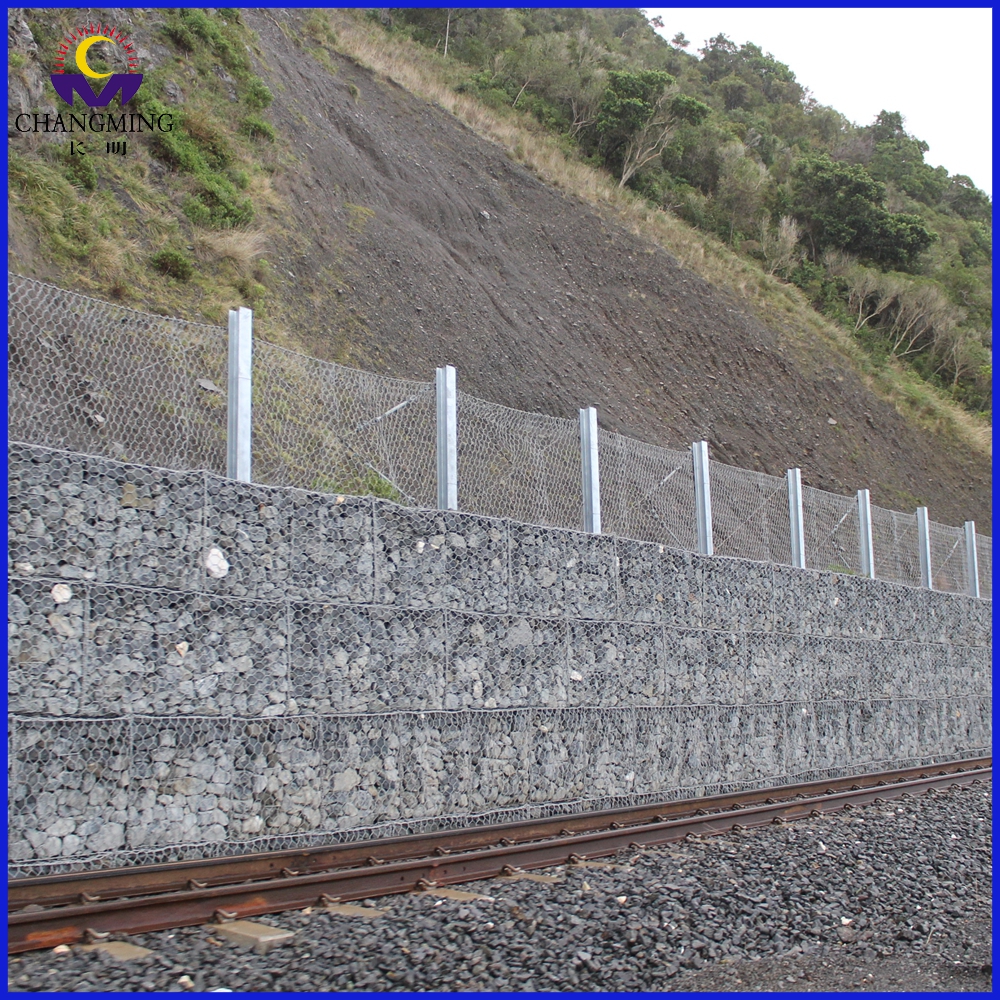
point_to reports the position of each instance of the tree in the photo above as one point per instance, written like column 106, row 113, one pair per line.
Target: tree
column 634, row 120
column 779, row 245
column 840, row 205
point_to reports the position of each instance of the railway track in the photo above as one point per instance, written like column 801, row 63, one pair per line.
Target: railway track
column 64, row 909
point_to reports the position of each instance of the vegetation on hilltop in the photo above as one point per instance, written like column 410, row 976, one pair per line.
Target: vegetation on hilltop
column 896, row 251
column 198, row 195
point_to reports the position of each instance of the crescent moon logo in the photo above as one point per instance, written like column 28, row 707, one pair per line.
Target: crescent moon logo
column 81, row 56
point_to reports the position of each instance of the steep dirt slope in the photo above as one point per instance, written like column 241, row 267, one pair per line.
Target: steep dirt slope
column 432, row 247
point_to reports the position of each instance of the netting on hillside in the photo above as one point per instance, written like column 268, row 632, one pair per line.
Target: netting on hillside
column 520, row 465
column 894, row 543
column 99, row 378
column 647, row 492
column 321, row 426
column 750, row 518
column 831, row 531
column 949, row 570
column 984, row 554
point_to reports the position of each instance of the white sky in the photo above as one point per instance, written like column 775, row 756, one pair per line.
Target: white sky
column 935, row 65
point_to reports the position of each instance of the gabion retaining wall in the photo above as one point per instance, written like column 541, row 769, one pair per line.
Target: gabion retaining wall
column 357, row 669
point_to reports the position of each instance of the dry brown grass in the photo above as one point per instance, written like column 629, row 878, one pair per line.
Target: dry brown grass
column 781, row 306
column 242, row 247
column 113, row 257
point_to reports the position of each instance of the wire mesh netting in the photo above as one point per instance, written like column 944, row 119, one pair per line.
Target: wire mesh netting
column 984, row 555
column 99, row 378
column 525, row 466
column 894, row 543
column 949, row 570
column 750, row 518
column 321, row 426
column 647, row 492
column 831, row 529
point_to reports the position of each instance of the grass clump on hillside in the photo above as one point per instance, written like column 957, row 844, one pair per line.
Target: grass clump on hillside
column 208, row 175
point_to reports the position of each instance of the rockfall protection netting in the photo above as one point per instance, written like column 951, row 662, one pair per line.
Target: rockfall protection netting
column 517, row 464
column 949, row 566
column 322, row 426
column 896, row 546
column 100, row 379
column 750, row 517
column 647, row 492
column 984, row 555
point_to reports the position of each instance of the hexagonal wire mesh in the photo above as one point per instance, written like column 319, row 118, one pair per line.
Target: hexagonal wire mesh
column 647, row 492
column 520, row 465
column 894, row 540
column 832, row 531
column 97, row 378
column 101, row 379
column 984, row 555
column 750, row 516
column 321, row 426
column 949, row 571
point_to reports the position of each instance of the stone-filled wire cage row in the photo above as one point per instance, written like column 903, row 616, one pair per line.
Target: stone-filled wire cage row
column 101, row 379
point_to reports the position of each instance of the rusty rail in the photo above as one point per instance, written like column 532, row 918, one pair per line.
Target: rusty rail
column 65, row 909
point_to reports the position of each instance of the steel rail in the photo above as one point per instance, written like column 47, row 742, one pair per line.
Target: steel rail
column 105, row 884
column 33, row 926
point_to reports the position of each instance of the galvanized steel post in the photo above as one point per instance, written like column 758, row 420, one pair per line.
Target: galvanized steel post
column 796, row 518
column 447, row 438
column 865, row 534
column 971, row 558
column 924, row 545
column 590, row 470
column 702, row 497
column 239, row 452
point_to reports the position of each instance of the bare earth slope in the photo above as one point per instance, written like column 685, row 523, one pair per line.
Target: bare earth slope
column 433, row 248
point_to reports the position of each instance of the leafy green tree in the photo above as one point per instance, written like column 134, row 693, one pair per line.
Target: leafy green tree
column 634, row 120
column 840, row 205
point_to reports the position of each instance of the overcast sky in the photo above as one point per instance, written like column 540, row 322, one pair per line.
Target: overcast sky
column 935, row 65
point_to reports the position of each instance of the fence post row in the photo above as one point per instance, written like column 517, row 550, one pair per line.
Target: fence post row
column 865, row 534
column 924, row 546
column 971, row 558
column 447, row 438
column 702, row 497
column 239, row 456
column 238, row 400
column 796, row 518
column 590, row 470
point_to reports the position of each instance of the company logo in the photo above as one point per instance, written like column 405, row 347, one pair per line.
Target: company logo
column 79, row 43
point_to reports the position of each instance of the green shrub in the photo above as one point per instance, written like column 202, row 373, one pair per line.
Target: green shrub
column 256, row 128
column 173, row 263
column 217, row 203
column 257, row 96
column 80, row 170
